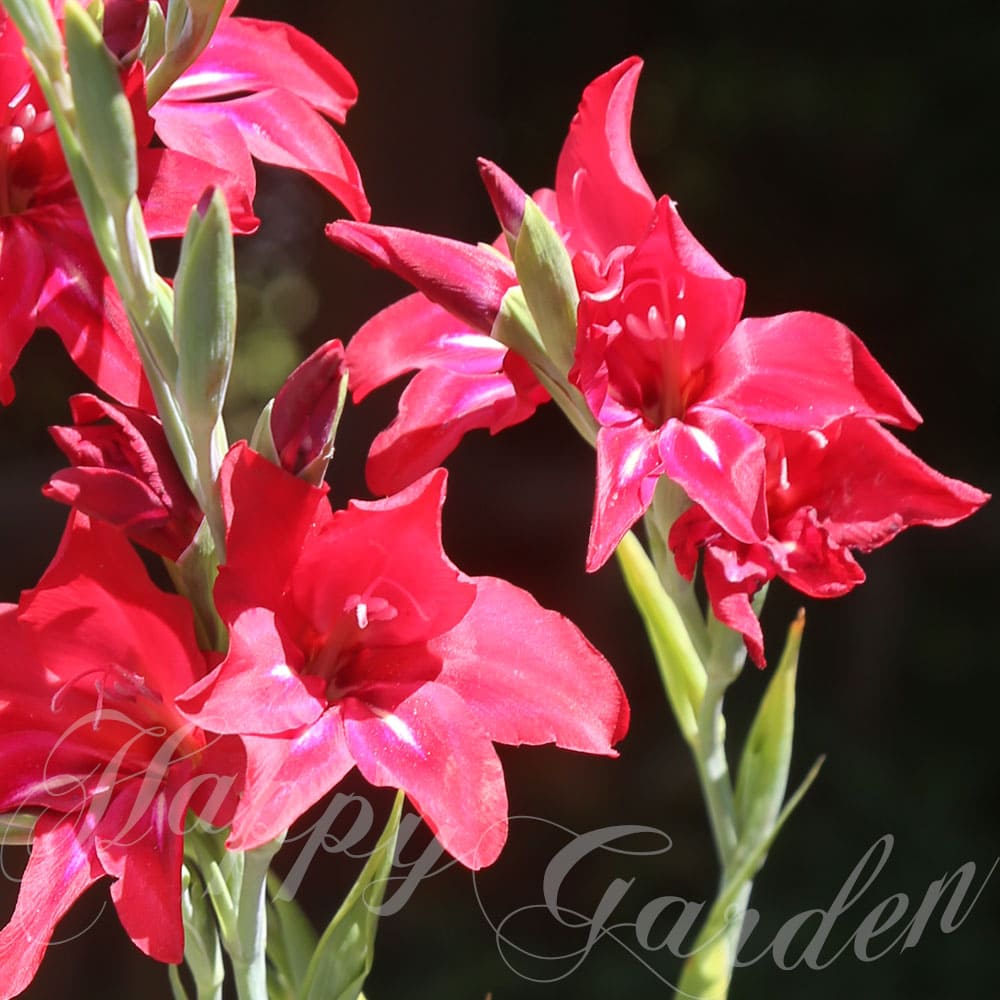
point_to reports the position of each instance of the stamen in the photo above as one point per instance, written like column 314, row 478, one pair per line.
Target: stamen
column 368, row 608
column 123, row 684
column 11, row 135
column 19, row 96
column 783, row 476
column 24, row 116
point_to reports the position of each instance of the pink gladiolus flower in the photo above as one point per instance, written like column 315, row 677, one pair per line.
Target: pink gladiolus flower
column 50, row 271
column 264, row 90
column 124, row 473
column 355, row 641
column 676, row 380
column 93, row 744
column 851, row 486
column 466, row 380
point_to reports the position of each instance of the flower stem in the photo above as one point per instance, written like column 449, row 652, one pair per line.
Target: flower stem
column 248, row 949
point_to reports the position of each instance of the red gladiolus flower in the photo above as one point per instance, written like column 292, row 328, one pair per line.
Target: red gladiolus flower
column 50, row 271
column 264, row 90
column 676, row 380
column 851, row 486
column 466, row 380
column 355, row 641
column 93, row 744
column 124, row 473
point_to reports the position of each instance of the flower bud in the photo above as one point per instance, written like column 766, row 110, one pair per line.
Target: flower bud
column 103, row 115
column 306, row 412
column 763, row 773
column 124, row 473
column 205, row 314
column 468, row 281
column 507, row 196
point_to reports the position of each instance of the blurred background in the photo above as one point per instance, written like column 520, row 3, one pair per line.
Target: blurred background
column 840, row 159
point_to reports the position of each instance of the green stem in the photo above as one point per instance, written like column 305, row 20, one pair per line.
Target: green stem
column 669, row 502
column 248, row 949
column 713, row 772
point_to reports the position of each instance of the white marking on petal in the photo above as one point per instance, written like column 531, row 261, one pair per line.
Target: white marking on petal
column 680, row 326
column 398, row 726
column 631, row 461
column 706, row 445
column 282, row 671
column 820, row 438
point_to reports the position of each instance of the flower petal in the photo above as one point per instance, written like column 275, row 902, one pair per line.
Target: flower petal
column 58, row 872
column 604, row 201
column 469, row 281
column 136, row 845
column 249, row 55
column 415, row 333
column 800, row 371
column 171, row 183
column 719, row 462
column 530, row 675
column 393, row 547
column 628, row 465
column 96, row 607
column 257, row 688
column 433, row 748
column 436, row 410
column 272, row 517
column 285, row 776
column 867, row 486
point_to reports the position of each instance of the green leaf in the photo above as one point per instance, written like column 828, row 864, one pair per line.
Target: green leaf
column 103, row 116
column 707, row 972
column 680, row 666
column 343, row 958
column 291, row 941
column 763, row 772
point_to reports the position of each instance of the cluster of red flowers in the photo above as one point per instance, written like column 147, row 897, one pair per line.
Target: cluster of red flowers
column 773, row 427
column 352, row 639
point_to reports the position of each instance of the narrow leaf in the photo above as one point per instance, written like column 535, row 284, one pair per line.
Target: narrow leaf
column 345, row 953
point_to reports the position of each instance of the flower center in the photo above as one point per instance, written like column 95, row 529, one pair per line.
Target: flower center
column 113, row 684
column 338, row 653
column 21, row 163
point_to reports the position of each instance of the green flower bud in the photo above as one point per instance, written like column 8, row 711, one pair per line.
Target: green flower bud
column 205, row 314
column 545, row 272
column 103, row 116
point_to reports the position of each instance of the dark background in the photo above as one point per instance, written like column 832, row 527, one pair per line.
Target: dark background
column 841, row 160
